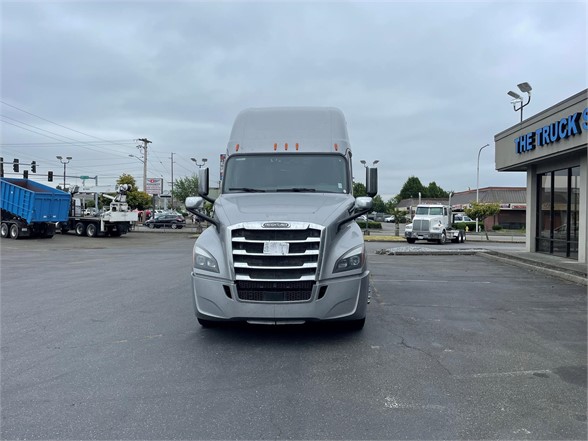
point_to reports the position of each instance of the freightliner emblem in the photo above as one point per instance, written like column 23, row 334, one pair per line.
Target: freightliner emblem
column 276, row 225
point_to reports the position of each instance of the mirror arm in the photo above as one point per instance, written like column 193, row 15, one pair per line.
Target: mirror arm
column 203, row 217
column 352, row 217
column 207, row 198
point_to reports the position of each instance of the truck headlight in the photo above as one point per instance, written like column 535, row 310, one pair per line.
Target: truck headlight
column 351, row 260
column 408, row 227
column 203, row 260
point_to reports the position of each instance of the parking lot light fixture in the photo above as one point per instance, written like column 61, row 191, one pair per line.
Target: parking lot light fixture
column 517, row 99
column 195, row 161
column 64, row 162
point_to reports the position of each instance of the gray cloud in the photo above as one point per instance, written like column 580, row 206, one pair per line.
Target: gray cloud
column 423, row 85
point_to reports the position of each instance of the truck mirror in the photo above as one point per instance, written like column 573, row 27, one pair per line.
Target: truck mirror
column 363, row 203
column 203, row 185
column 194, row 202
column 371, row 181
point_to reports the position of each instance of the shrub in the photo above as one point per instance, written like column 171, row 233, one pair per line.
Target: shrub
column 371, row 225
column 497, row 227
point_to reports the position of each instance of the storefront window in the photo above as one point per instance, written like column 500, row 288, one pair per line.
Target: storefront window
column 574, row 211
column 544, row 214
column 558, row 212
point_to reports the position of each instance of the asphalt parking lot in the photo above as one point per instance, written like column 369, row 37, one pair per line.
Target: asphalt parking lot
column 98, row 341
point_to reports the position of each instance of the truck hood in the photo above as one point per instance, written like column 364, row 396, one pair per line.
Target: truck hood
column 320, row 208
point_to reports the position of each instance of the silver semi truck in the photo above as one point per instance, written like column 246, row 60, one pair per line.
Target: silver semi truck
column 283, row 247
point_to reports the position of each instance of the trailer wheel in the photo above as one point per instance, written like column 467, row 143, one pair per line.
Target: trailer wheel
column 80, row 229
column 14, row 231
column 91, row 230
column 4, row 230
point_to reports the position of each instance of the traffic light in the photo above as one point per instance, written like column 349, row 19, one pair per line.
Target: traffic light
column 1, row 167
column 34, row 166
column 25, row 174
column 15, row 165
column 50, row 176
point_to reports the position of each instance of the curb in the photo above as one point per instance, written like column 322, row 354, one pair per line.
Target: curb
column 561, row 273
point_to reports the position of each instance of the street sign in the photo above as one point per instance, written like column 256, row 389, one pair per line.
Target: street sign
column 154, row 186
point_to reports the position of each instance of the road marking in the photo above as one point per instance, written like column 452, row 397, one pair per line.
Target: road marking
column 392, row 403
column 502, row 374
column 429, row 281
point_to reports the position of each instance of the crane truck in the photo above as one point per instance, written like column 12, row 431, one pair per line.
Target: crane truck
column 116, row 221
column 30, row 209
column 282, row 247
column 432, row 222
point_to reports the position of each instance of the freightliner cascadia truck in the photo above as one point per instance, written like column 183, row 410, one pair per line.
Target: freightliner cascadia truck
column 283, row 247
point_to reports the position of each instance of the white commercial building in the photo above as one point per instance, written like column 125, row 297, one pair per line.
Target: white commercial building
column 551, row 147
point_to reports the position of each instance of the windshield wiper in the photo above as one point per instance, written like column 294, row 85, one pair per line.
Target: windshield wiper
column 247, row 189
column 297, row 189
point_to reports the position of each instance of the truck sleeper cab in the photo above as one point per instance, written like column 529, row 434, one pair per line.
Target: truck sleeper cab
column 283, row 247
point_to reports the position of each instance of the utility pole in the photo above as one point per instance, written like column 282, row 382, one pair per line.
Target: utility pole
column 143, row 147
column 172, row 180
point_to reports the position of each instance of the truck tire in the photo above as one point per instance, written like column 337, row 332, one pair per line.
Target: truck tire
column 463, row 237
column 14, row 231
column 4, row 230
column 411, row 240
column 443, row 239
column 91, row 230
column 80, row 229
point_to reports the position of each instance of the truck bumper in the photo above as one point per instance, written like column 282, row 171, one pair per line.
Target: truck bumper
column 345, row 298
column 422, row 235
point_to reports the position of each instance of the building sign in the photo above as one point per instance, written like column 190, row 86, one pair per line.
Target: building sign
column 565, row 128
column 154, row 186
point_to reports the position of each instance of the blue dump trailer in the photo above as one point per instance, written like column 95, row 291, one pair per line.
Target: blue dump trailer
column 31, row 209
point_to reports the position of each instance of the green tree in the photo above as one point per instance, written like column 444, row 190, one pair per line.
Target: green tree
column 359, row 189
column 434, row 191
column 481, row 211
column 185, row 187
column 411, row 189
column 378, row 205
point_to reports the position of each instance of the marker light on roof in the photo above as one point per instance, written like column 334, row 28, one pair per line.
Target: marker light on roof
column 275, row 146
column 237, row 148
column 336, row 147
column 296, row 146
column 286, row 146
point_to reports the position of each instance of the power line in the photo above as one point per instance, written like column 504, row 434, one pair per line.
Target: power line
column 52, row 122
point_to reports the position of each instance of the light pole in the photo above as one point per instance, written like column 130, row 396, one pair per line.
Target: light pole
column 144, row 176
column 525, row 88
column 64, row 162
column 204, row 160
column 364, row 163
column 478, row 180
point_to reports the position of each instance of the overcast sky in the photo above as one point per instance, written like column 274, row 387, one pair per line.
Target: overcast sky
column 422, row 84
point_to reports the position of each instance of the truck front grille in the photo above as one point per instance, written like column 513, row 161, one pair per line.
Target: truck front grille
column 274, row 291
column 281, row 264
column 420, row 225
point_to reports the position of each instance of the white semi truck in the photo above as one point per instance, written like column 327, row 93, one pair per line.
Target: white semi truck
column 432, row 222
column 283, row 247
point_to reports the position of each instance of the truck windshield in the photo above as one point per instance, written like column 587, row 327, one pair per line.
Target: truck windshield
column 429, row 211
column 286, row 173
